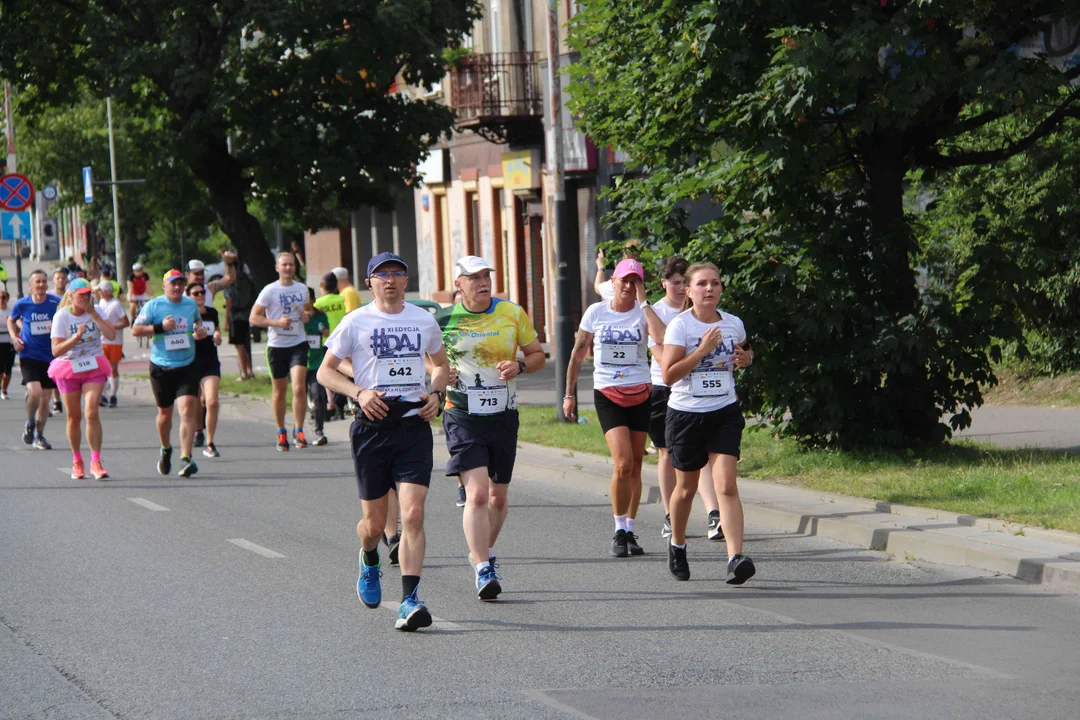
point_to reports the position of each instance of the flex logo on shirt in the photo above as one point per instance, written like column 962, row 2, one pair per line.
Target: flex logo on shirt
column 395, row 341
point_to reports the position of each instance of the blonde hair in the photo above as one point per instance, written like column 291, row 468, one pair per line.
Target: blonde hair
column 689, row 275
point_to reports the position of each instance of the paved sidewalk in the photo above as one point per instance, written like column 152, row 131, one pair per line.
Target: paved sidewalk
column 1037, row 555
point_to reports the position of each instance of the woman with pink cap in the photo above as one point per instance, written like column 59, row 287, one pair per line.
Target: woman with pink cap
column 618, row 331
column 80, row 370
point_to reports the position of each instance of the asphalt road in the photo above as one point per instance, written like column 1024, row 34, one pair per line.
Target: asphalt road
column 232, row 595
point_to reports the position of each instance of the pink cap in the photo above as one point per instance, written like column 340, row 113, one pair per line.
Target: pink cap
column 629, row 266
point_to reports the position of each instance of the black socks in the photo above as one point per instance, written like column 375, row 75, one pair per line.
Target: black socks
column 408, row 585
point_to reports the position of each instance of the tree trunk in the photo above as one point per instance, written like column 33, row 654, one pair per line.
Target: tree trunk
column 224, row 180
column 907, row 391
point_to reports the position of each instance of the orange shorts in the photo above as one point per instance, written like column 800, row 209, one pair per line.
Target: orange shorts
column 113, row 352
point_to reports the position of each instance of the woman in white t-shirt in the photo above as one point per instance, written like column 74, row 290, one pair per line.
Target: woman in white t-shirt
column 80, row 370
column 618, row 332
column 702, row 348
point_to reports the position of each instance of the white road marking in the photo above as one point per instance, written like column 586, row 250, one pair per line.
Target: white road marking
column 541, row 697
column 257, row 549
column 149, row 505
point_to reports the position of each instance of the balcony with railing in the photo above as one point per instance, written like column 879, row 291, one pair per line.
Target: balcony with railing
column 498, row 96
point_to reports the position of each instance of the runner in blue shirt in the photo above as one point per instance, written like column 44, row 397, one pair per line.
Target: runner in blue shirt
column 173, row 321
column 35, row 314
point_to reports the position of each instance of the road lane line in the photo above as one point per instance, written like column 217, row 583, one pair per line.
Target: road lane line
column 542, row 697
column 257, row 549
column 149, row 505
column 436, row 622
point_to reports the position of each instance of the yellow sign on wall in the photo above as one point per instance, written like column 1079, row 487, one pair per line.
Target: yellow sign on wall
column 521, row 169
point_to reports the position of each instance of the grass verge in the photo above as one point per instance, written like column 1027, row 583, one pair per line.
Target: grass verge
column 1034, row 487
column 1017, row 388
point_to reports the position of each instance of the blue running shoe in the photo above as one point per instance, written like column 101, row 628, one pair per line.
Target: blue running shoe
column 413, row 614
column 487, row 584
column 368, row 587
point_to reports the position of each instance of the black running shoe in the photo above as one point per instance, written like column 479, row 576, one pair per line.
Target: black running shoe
column 715, row 531
column 57, row 406
column 28, row 432
column 112, row 401
column 631, row 544
column 164, row 463
column 618, row 544
column 741, row 569
column 40, row 443
column 200, row 438
column 461, row 496
column 666, row 531
column 187, row 467
column 210, row 451
column 676, row 562
column 394, row 544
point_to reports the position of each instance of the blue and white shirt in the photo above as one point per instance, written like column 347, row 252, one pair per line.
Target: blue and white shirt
column 37, row 321
column 175, row 348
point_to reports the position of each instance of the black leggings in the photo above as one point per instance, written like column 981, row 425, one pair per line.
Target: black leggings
column 318, row 395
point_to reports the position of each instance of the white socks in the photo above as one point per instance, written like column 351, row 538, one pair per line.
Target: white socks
column 629, row 524
column 113, row 386
column 620, row 522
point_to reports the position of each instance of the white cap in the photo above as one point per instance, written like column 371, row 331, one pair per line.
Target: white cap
column 341, row 273
column 469, row 265
column 195, row 265
column 137, row 266
column 102, row 284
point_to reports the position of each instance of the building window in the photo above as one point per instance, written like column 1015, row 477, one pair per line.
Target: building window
column 472, row 224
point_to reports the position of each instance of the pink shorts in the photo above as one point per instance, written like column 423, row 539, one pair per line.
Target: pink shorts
column 67, row 381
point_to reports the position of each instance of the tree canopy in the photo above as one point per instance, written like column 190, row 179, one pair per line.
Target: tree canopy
column 809, row 122
column 285, row 101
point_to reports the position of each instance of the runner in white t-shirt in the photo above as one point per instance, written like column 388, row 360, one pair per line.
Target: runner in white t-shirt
column 280, row 307
column 112, row 310
column 619, row 333
column 387, row 344
column 79, row 369
column 702, row 349
column 7, row 348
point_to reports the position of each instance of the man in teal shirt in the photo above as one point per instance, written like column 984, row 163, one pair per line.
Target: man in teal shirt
column 172, row 320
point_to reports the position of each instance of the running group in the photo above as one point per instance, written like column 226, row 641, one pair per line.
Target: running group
column 402, row 367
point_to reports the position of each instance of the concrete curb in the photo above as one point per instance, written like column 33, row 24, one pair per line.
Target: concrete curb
column 1036, row 555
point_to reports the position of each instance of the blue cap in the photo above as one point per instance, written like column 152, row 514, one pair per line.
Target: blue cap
column 383, row 258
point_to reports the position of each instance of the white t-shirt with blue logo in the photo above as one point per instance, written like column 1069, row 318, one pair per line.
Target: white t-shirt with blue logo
column 284, row 301
column 711, row 385
column 66, row 324
column 387, row 350
column 620, row 345
column 666, row 313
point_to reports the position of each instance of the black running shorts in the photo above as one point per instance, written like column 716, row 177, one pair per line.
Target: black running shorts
column 658, row 415
column 612, row 415
column 387, row 456
column 692, row 436
column 36, row 371
column 7, row 358
column 282, row 360
column 171, row 383
column 240, row 333
column 476, row 441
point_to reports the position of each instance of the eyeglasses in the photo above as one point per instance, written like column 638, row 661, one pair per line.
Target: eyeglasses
column 387, row 274
column 197, row 294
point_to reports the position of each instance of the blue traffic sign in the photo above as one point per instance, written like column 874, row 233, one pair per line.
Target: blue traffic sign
column 15, row 225
column 88, row 184
column 16, row 192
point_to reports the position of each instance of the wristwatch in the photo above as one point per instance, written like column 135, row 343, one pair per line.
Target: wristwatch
column 521, row 367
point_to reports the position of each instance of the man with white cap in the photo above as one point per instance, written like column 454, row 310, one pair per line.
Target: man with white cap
column 196, row 273
column 111, row 311
column 346, row 290
column 482, row 336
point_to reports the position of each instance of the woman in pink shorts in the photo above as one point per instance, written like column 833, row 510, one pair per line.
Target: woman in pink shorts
column 80, row 371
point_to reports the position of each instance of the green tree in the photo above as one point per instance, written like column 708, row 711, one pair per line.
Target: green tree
column 807, row 121
column 282, row 100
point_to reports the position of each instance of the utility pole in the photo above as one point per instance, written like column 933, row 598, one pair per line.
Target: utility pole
column 564, row 330
column 120, row 270
column 11, row 168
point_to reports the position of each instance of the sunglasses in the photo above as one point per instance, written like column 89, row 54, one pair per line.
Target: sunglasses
column 387, row 274
column 197, row 294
